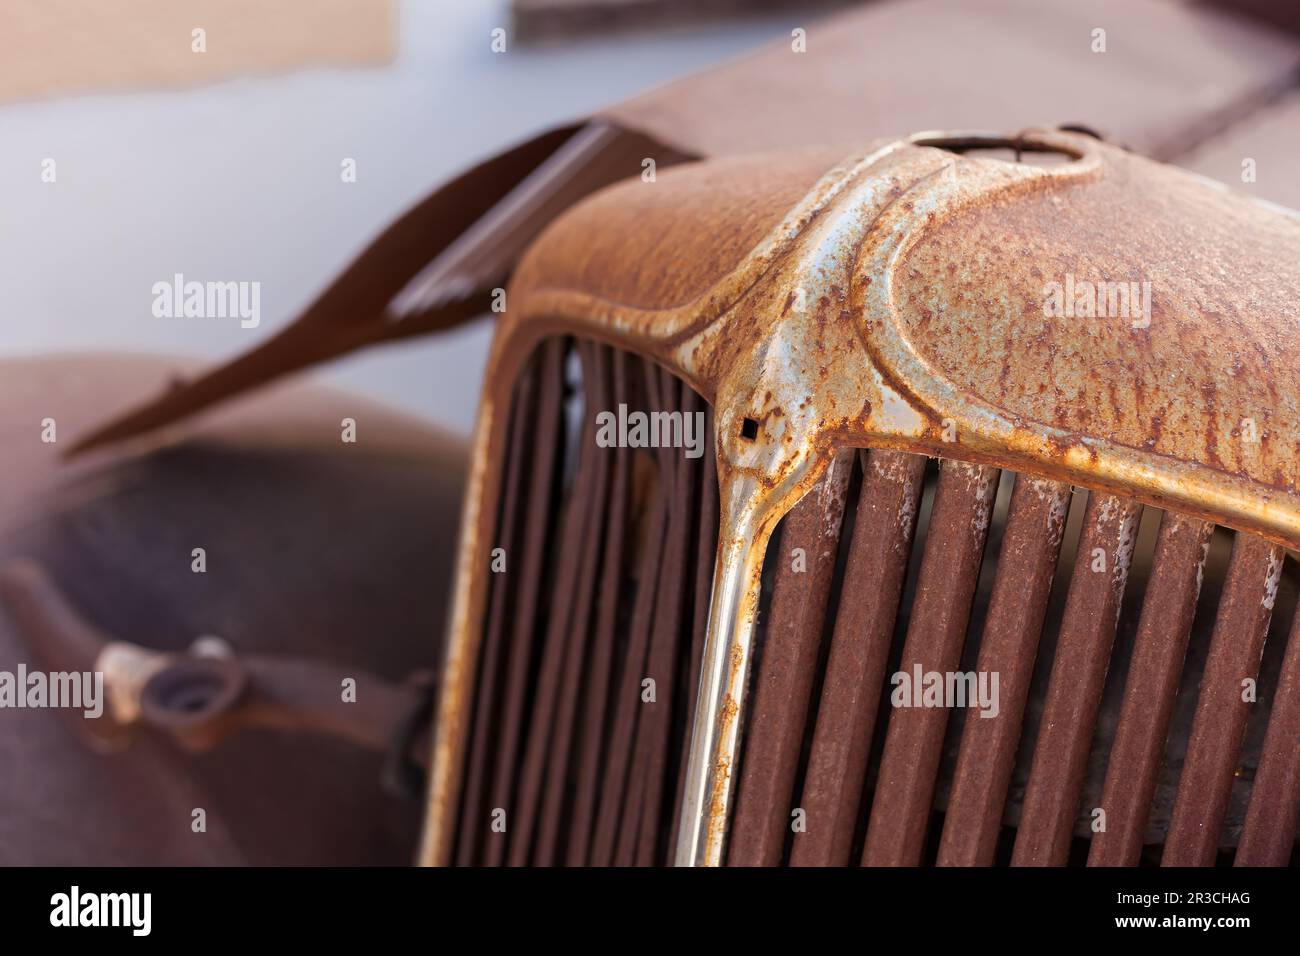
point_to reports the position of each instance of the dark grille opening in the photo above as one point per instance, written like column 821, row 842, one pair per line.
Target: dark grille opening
column 602, row 591
column 1120, row 636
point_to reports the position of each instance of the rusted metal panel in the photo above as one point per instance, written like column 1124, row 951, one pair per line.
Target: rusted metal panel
column 954, row 550
column 975, row 53
column 1210, row 766
column 1172, row 405
column 1027, row 560
column 1137, row 751
column 855, row 670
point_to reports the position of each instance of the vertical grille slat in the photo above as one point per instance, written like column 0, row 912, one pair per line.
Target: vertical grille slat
column 669, row 618
column 706, row 550
column 1078, row 675
column 559, row 633
column 639, row 815
column 1118, row 689
column 1269, row 832
column 618, row 765
column 600, row 674
column 888, row 505
column 950, row 567
column 1164, row 628
column 474, row 813
column 1219, row 726
column 1027, row 561
column 547, row 441
column 783, row 687
column 595, row 367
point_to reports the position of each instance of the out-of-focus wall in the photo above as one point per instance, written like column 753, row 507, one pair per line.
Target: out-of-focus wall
column 239, row 178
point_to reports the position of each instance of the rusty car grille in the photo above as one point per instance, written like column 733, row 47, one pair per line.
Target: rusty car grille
column 1128, row 644
column 608, row 552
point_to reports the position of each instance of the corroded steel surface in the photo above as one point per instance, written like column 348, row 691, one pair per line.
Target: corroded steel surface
column 781, row 692
column 1269, row 832
column 1223, row 707
column 614, row 614
column 1031, row 545
column 907, row 288
column 1168, row 609
column 855, row 668
column 954, row 551
column 1220, row 348
column 900, row 303
column 561, row 663
column 1079, row 667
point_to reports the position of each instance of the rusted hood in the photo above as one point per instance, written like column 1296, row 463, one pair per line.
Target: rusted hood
column 1110, row 321
column 846, row 79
